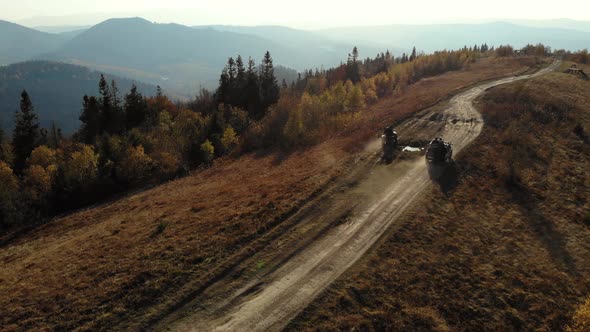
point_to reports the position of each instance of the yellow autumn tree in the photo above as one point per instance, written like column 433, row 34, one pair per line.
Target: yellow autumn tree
column 294, row 129
column 43, row 156
column 207, row 152
column 355, row 99
column 46, row 158
column 81, row 167
column 135, row 165
column 369, row 90
column 229, row 138
column 36, row 182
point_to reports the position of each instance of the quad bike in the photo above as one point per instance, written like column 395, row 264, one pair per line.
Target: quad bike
column 388, row 143
column 439, row 151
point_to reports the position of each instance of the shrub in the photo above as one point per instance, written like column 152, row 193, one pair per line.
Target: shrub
column 229, row 139
column 160, row 228
column 207, row 152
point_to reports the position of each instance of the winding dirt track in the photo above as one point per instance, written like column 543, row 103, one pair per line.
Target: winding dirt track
column 269, row 304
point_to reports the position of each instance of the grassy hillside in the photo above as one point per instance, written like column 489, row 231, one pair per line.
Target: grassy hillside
column 119, row 265
column 56, row 90
column 508, row 249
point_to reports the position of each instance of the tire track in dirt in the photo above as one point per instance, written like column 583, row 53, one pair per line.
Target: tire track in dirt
column 269, row 304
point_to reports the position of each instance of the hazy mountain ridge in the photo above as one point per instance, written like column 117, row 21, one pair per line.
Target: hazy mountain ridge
column 177, row 57
column 307, row 40
column 563, row 23
column 430, row 38
column 61, row 29
column 182, row 59
column 56, row 90
column 18, row 43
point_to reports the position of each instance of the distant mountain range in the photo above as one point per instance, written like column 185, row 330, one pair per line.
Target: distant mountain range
column 182, row 59
column 172, row 55
column 18, row 43
column 558, row 24
column 56, row 90
column 430, row 38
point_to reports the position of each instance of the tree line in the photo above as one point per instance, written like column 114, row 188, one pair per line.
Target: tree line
column 128, row 141
column 125, row 142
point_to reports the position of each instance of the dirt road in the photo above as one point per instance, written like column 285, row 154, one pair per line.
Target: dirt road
column 268, row 302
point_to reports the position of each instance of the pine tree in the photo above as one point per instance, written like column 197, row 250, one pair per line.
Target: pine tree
column 118, row 120
column 269, row 86
column 252, row 90
column 91, row 120
column 106, row 106
column 240, row 84
column 115, row 95
column 26, row 132
column 413, row 56
column 222, row 94
column 352, row 66
column 231, row 70
column 232, row 95
column 135, row 108
column 240, row 70
column 55, row 136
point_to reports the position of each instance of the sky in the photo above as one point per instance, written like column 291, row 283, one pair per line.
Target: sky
column 294, row 13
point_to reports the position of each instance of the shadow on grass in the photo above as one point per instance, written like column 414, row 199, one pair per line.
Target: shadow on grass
column 445, row 175
column 544, row 229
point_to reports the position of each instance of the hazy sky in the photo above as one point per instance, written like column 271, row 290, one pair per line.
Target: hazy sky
column 295, row 13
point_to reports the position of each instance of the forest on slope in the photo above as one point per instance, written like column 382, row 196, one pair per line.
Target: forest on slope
column 133, row 140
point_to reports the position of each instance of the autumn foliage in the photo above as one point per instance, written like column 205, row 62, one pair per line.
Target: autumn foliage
column 135, row 141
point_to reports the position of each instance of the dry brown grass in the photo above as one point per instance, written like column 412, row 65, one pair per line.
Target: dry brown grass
column 509, row 249
column 118, row 265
